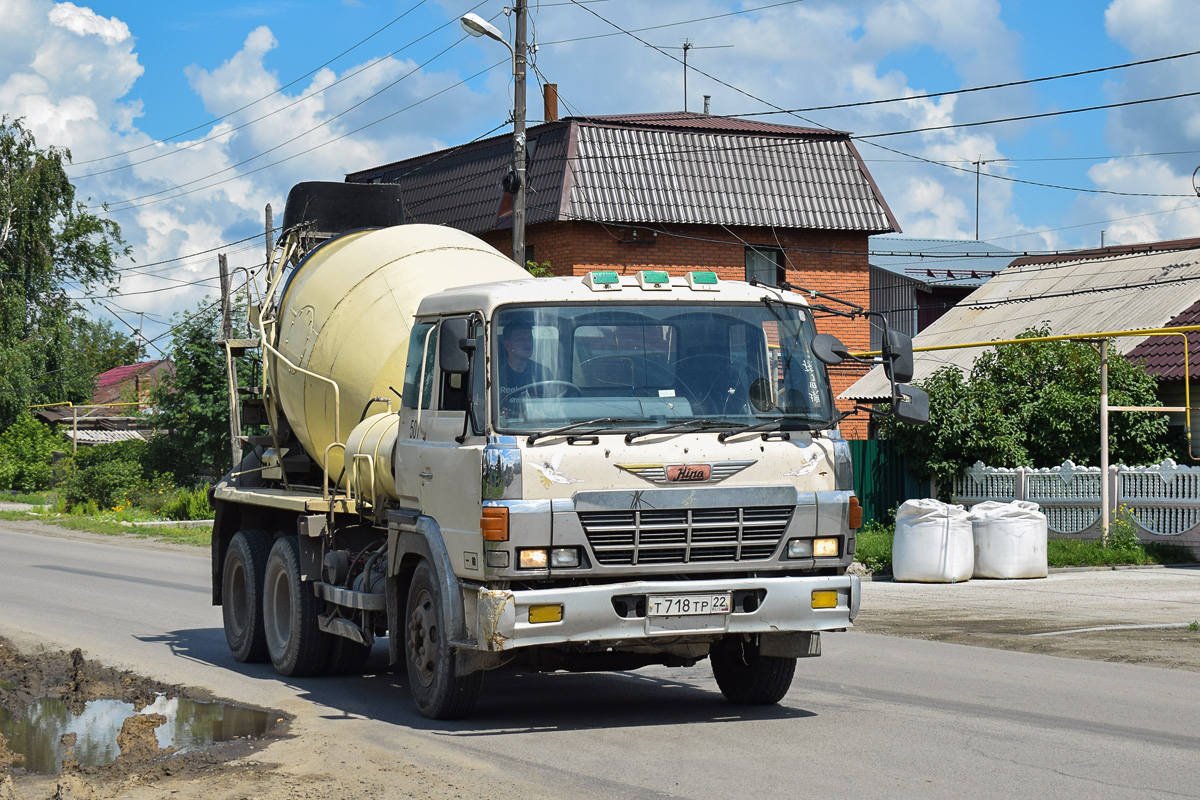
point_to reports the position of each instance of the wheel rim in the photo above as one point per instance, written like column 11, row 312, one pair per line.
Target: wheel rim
column 423, row 637
column 238, row 600
column 278, row 616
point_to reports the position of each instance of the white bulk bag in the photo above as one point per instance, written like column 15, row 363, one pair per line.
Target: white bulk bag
column 1010, row 540
column 933, row 543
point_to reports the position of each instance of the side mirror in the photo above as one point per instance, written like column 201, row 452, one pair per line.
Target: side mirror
column 897, row 356
column 829, row 349
column 454, row 348
column 910, row 404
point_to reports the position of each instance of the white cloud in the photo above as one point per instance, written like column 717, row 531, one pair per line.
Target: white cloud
column 69, row 72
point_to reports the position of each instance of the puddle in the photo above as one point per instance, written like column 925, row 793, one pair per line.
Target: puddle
column 191, row 724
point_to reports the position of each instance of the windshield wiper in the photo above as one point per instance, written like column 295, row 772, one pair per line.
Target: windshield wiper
column 533, row 437
column 774, row 424
column 678, row 426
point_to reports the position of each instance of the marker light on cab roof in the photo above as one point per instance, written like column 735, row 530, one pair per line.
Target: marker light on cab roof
column 702, row 280
column 603, row 280
column 654, row 279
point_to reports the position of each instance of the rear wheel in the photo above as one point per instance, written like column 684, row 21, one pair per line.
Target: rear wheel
column 437, row 691
column 748, row 678
column 242, row 594
column 297, row 645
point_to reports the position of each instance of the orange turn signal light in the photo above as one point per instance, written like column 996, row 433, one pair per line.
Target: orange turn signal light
column 855, row 514
column 494, row 523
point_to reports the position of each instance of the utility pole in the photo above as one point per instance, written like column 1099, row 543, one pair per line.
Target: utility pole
column 978, row 162
column 519, row 61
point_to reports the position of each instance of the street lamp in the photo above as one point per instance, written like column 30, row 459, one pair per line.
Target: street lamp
column 478, row 26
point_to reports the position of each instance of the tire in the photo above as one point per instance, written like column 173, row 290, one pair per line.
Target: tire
column 437, row 692
column 747, row 678
column 346, row 657
column 296, row 644
column 242, row 593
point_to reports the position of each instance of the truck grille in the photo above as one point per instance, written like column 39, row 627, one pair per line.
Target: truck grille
column 684, row 536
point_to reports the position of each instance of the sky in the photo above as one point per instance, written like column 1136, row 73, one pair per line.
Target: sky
column 186, row 120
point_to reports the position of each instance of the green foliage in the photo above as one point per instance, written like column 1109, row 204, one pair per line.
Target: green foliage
column 873, row 547
column 1034, row 404
column 542, row 270
column 193, row 404
column 105, row 474
column 101, row 346
column 1122, row 534
column 48, row 241
column 188, row 504
column 26, row 449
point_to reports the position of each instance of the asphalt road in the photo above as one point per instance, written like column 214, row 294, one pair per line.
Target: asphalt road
column 875, row 716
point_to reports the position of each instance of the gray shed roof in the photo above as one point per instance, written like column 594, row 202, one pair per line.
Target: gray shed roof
column 1115, row 289
column 940, row 262
column 650, row 168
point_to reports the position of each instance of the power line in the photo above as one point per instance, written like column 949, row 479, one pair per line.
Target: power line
column 931, row 95
column 264, row 97
column 1023, row 117
column 621, row 31
column 133, row 204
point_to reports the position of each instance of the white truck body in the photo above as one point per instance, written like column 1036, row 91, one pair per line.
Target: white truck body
column 670, row 487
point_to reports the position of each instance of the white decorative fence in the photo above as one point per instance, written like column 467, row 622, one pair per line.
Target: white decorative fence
column 1163, row 500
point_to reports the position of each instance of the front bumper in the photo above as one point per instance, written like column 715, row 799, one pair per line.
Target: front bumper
column 784, row 605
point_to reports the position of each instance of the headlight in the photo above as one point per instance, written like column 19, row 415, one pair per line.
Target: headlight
column 825, row 547
column 533, row 559
column 562, row 557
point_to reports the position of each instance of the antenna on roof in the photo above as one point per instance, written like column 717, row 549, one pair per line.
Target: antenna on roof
column 685, row 47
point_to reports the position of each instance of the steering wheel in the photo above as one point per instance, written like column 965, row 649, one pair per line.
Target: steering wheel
column 544, row 389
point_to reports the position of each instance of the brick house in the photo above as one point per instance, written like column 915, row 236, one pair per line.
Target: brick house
column 674, row 190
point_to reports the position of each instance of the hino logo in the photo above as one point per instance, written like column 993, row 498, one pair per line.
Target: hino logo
column 682, row 473
column 664, row 474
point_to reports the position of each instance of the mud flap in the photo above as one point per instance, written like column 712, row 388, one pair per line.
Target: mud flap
column 790, row 645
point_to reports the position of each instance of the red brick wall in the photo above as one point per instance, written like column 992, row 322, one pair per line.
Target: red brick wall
column 827, row 261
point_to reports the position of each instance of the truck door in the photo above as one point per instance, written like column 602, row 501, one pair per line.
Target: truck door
column 436, row 473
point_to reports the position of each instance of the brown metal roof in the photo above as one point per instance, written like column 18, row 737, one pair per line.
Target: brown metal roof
column 1163, row 355
column 650, row 168
column 690, row 120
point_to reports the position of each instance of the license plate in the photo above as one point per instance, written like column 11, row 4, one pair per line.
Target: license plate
column 676, row 605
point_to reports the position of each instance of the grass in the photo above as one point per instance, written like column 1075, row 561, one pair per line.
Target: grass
column 873, row 549
column 107, row 522
column 33, row 498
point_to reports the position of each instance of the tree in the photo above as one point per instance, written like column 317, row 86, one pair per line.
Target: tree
column 48, row 241
column 1031, row 404
column 193, row 403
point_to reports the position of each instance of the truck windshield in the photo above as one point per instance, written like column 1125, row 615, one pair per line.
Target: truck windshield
column 723, row 365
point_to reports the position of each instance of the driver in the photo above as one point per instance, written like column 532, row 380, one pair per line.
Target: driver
column 517, row 367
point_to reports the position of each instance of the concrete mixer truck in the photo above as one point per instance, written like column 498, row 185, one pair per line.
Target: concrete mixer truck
column 598, row 472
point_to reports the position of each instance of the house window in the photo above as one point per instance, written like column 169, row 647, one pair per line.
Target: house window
column 765, row 264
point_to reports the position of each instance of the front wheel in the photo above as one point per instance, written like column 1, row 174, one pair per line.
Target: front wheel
column 431, row 661
column 748, row 678
column 295, row 641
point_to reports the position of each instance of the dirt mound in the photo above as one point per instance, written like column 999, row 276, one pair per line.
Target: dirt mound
column 142, row 767
column 71, row 678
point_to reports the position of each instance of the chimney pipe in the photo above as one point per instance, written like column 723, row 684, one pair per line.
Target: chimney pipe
column 550, row 101
column 707, row 97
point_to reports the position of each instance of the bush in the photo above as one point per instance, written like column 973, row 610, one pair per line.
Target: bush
column 154, row 493
column 26, row 449
column 188, row 504
column 106, row 474
column 107, row 484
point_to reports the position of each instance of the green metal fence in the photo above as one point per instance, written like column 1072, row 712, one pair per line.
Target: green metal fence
column 881, row 480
